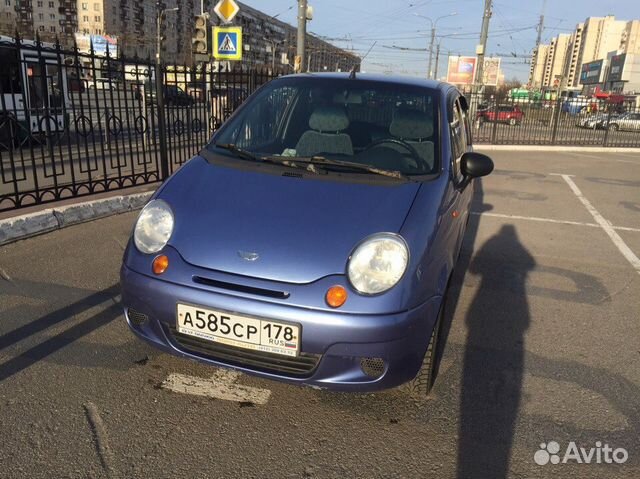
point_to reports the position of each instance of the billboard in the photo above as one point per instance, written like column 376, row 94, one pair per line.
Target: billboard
column 491, row 71
column 591, row 72
column 100, row 44
column 461, row 70
column 616, row 67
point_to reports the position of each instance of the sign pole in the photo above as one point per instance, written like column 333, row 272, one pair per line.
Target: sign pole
column 302, row 33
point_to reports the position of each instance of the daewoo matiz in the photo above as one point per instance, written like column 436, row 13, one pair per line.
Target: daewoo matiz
column 313, row 239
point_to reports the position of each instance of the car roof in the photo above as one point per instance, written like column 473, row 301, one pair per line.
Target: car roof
column 372, row 77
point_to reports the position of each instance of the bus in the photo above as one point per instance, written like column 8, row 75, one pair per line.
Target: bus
column 33, row 89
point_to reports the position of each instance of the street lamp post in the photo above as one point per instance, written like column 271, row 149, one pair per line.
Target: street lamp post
column 302, row 33
column 164, row 159
column 273, row 44
column 433, row 37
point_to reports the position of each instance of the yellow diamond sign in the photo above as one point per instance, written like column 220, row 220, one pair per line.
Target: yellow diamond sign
column 227, row 10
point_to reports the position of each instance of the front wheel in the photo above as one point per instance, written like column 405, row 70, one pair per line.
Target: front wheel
column 614, row 127
column 513, row 121
column 420, row 386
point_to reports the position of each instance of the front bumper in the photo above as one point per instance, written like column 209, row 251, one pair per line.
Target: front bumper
column 340, row 341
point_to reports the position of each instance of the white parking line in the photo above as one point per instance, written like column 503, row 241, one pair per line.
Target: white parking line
column 551, row 220
column 222, row 385
column 604, row 224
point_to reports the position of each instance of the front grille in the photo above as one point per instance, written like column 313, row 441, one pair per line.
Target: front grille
column 241, row 288
column 302, row 365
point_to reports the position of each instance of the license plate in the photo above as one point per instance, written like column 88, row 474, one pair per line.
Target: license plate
column 239, row 331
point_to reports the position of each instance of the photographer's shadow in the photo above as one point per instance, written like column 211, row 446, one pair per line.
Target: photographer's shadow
column 497, row 321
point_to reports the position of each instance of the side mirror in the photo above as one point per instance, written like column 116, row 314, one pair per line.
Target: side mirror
column 475, row 165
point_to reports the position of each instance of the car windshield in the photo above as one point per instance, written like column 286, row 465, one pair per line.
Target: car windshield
column 383, row 125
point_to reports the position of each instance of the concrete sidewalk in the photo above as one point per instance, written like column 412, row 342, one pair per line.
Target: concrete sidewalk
column 49, row 217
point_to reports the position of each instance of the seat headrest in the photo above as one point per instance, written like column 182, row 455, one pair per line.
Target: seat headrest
column 329, row 118
column 411, row 125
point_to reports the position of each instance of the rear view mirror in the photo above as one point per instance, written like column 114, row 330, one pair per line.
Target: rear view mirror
column 475, row 165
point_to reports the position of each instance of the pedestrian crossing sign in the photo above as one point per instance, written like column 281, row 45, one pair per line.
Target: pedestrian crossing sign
column 227, row 43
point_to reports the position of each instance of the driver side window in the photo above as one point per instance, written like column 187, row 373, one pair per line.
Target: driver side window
column 458, row 140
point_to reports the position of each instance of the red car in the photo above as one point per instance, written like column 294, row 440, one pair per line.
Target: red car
column 512, row 115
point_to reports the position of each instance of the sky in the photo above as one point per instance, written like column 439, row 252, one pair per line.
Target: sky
column 357, row 24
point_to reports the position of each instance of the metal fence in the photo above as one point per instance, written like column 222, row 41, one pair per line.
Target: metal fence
column 612, row 122
column 75, row 124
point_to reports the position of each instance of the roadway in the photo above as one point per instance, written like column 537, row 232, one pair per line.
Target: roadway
column 542, row 346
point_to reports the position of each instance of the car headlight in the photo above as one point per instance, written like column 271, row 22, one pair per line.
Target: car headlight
column 153, row 227
column 378, row 263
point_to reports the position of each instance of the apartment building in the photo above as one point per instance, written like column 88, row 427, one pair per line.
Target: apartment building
column 556, row 60
column 8, row 16
column 597, row 38
column 135, row 25
column 573, row 71
column 537, row 69
column 630, row 38
column 267, row 40
column 50, row 19
column 600, row 36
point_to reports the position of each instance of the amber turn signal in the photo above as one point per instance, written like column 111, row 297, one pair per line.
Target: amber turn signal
column 160, row 264
column 336, row 296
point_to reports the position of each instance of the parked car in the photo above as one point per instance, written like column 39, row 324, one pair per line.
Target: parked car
column 303, row 246
column 592, row 121
column 625, row 122
column 173, row 95
column 103, row 84
column 511, row 114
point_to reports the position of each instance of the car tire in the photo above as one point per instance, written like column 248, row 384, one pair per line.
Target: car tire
column 420, row 386
column 614, row 127
column 513, row 122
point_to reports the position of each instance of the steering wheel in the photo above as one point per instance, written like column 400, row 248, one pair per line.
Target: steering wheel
column 421, row 162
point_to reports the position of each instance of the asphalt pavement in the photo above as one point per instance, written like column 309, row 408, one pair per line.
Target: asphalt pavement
column 542, row 330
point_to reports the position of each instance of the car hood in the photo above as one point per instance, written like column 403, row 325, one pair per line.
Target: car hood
column 276, row 227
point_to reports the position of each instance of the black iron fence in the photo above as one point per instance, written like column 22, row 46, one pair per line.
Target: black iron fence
column 609, row 122
column 75, row 124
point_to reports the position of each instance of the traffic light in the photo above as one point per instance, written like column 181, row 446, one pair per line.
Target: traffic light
column 199, row 40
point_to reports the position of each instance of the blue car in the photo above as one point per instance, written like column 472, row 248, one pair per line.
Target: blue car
column 313, row 239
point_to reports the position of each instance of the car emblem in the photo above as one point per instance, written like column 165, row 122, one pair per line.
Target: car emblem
column 248, row 255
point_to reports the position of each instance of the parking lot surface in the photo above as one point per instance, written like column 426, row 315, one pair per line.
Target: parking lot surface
column 542, row 324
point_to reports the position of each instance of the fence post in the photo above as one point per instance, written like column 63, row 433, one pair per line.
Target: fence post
column 555, row 120
column 606, row 127
column 107, row 132
column 162, row 133
column 494, row 130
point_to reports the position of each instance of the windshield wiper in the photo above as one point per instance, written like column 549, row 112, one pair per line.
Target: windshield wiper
column 247, row 155
column 321, row 160
column 291, row 161
column 239, row 152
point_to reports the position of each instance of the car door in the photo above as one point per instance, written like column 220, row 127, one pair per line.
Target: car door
column 458, row 195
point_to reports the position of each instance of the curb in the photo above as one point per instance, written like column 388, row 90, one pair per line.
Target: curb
column 575, row 149
column 25, row 226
